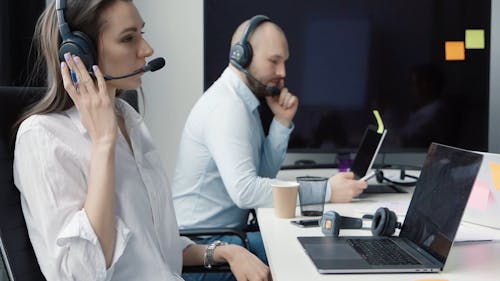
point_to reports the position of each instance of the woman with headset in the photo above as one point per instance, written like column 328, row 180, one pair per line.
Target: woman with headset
column 94, row 195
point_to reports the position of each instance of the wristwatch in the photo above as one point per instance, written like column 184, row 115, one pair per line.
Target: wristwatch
column 208, row 257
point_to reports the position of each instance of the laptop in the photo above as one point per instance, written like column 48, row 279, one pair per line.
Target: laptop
column 367, row 151
column 429, row 228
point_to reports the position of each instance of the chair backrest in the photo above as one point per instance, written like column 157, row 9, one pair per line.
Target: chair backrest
column 13, row 232
column 19, row 252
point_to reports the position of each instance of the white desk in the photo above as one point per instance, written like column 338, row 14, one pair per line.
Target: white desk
column 288, row 261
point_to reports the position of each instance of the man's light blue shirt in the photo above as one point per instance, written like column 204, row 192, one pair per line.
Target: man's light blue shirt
column 226, row 163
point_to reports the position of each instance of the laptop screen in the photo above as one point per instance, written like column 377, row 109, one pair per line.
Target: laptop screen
column 440, row 197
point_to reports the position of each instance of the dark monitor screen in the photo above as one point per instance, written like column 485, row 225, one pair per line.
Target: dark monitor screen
column 440, row 197
column 350, row 57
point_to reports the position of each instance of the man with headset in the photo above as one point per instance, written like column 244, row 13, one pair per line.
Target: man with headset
column 226, row 164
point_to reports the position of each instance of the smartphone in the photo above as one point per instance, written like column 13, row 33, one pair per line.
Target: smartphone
column 306, row 223
column 367, row 151
column 368, row 176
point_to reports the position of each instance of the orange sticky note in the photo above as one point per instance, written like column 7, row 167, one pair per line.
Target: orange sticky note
column 454, row 50
column 495, row 174
column 479, row 196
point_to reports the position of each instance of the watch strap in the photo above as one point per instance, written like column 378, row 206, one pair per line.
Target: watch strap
column 208, row 257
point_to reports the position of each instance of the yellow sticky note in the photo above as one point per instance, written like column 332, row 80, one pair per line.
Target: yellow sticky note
column 495, row 174
column 380, row 124
column 474, row 39
column 454, row 50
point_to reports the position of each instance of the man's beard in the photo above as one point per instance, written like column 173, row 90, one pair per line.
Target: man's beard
column 258, row 89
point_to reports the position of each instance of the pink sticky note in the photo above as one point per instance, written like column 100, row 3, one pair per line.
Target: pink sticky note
column 479, row 196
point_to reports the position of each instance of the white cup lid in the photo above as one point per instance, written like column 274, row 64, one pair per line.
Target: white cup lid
column 280, row 183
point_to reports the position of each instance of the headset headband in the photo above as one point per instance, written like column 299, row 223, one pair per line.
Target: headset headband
column 252, row 25
column 63, row 25
column 74, row 42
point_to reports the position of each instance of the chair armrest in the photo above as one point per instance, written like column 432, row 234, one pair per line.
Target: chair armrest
column 194, row 232
column 220, row 268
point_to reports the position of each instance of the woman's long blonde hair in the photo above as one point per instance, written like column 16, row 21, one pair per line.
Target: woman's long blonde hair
column 81, row 15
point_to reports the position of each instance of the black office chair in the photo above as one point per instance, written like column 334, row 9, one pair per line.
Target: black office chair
column 20, row 255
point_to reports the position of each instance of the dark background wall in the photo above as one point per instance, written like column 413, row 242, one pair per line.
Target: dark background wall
column 349, row 57
column 17, row 23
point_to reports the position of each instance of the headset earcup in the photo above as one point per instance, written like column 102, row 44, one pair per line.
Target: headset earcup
column 88, row 56
column 79, row 45
column 330, row 223
column 378, row 222
column 336, row 222
column 236, row 53
column 384, row 222
column 379, row 175
column 391, row 224
column 241, row 53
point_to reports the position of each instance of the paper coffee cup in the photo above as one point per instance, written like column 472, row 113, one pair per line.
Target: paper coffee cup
column 285, row 198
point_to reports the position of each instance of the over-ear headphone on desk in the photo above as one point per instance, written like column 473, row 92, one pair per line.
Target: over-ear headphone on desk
column 384, row 223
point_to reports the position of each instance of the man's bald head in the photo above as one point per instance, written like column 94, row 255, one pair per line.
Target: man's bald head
column 266, row 27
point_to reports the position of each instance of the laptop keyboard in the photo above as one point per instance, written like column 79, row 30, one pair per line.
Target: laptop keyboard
column 381, row 252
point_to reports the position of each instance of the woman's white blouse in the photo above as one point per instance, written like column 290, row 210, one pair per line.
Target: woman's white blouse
column 51, row 165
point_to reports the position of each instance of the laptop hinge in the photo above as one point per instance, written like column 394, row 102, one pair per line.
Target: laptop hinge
column 423, row 252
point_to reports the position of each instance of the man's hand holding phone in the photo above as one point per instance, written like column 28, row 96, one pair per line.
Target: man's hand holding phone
column 368, row 176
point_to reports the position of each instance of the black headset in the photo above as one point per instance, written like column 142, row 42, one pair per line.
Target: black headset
column 384, row 223
column 76, row 43
column 379, row 175
column 241, row 53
